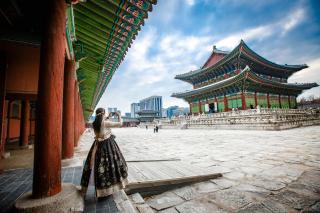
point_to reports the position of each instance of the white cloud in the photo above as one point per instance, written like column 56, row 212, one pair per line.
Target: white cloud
column 293, row 20
column 147, row 73
column 308, row 75
column 190, row 2
column 261, row 32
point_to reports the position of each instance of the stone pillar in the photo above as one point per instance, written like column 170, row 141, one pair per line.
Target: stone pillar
column 279, row 98
column 47, row 149
column 225, row 103
column 268, row 100
column 3, row 80
column 255, row 100
column 25, row 123
column 243, row 101
column 68, row 110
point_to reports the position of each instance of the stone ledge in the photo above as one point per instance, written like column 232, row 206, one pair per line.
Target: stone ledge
column 68, row 200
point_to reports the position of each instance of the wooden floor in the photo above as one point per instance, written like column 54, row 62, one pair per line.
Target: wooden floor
column 144, row 175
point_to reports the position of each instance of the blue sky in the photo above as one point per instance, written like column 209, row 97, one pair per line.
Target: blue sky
column 178, row 36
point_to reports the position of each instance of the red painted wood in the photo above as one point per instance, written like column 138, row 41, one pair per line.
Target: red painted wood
column 68, row 110
column 255, row 100
column 8, row 121
column 268, row 100
column 47, row 149
column 243, row 101
column 226, row 109
column 25, row 123
column 199, row 106
column 3, row 77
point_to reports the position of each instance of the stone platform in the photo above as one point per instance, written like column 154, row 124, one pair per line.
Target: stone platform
column 252, row 119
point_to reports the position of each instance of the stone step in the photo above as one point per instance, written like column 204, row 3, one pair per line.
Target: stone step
column 123, row 203
column 140, row 204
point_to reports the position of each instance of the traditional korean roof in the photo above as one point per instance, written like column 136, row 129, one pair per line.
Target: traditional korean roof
column 245, row 75
column 242, row 51
column 102, row 32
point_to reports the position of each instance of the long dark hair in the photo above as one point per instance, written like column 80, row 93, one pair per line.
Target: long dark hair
column 97, row 121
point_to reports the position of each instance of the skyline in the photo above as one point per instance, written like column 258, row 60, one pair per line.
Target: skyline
column 179, row 36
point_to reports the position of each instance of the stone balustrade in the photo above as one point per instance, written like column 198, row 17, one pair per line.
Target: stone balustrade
column 266, row 119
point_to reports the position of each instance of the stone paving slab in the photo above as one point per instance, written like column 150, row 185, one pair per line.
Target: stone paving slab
column 14, row 183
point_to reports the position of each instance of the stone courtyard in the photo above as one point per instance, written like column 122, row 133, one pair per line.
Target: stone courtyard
column 263, row 171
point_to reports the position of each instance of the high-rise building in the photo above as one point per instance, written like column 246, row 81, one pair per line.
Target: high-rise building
column 152, row 103
column 135, row 108
column 112, row 109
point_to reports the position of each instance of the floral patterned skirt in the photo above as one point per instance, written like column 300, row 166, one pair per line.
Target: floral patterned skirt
column 109, row 167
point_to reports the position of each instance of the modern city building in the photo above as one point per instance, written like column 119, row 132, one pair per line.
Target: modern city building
column 112, row 109
column 127, row 114
column 152, row 103
column 241, row 79
column 135, row 108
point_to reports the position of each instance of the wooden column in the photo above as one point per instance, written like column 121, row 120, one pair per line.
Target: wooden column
column 68, row 110
column 199, row 106
column 289, row 102
column 190, row 108
column 243, row 101
column 255, row 100
column 225, row 103
column 8, row 121
column 279, row 98
column 3, row 80
column 25, row 123
column 268, row 100
column 75, row 114
column 47, row 149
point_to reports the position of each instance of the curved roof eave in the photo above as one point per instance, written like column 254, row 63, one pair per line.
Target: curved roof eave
column 239, row 49
column 245, row 73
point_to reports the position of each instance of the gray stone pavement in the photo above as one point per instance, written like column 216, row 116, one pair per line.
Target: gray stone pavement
column 263, row 171
column 16, row 182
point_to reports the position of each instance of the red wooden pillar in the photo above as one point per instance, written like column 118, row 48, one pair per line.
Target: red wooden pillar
column 289, row 102
column 190, row 108
column 225, row 103
column 279, row 98
column 3, row 80
column 255, row 100
column 8, row 121
column 268, row 100
column 68, row 110
column 75, row 114
column 243, row 101
column 25, row 123
column 199, row 105
column 47, row 149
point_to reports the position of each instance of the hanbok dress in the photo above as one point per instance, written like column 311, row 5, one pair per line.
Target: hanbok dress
column 105, row 162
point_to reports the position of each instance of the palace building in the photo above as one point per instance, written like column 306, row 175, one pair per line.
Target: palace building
column 241, row 79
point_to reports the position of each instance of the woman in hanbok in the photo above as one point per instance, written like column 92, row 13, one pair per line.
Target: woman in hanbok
column 105, row 160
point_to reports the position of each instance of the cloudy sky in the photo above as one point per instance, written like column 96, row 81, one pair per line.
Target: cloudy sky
column 178, row 36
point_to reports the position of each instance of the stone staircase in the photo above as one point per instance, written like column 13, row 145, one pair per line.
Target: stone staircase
column 131, row 204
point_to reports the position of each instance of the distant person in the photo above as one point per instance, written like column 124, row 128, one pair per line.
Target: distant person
column 154, row 128
column 146, row 127
column 251, row 106
column 157, row 128
column 104, row 159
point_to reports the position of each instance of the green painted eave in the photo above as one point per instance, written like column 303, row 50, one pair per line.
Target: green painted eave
column 104, row 30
